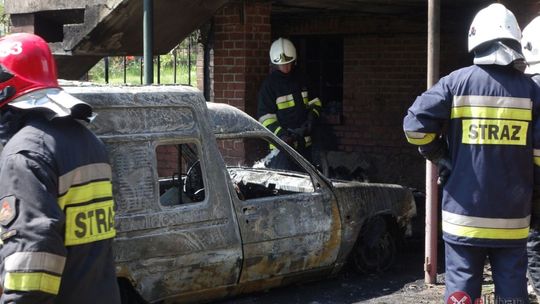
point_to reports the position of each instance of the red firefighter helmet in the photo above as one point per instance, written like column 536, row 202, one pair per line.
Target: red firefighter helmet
column 27, row 64
column 28, row 78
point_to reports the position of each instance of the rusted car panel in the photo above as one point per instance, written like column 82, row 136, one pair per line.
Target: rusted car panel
column 360, row 201
column 256, row 227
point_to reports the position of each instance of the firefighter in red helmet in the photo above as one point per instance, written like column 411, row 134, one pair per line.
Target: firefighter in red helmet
column 56, row 203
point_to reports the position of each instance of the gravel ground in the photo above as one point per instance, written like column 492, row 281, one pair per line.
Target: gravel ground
column 402, row 284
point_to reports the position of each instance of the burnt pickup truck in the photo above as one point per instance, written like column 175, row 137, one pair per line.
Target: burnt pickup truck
column 200, row 217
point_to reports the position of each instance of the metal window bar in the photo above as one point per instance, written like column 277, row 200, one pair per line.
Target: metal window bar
column 182, row 62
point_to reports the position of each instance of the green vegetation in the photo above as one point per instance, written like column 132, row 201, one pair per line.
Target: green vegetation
column 133, row 66
column 133, row 73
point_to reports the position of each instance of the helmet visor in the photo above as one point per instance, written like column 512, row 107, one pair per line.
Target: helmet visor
column 5, row 74
column 55, row 100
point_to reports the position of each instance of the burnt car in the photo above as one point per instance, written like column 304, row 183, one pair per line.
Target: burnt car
column 199, row 216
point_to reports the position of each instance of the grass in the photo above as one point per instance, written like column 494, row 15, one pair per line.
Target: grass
column 133, row 72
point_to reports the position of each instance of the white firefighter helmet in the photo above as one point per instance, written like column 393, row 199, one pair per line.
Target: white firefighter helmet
column 493, row 23
column 531, row 46
column 282, row 51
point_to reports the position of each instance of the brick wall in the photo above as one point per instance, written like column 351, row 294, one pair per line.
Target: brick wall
column 240, row 56
column 242, row 39
column 384, row 70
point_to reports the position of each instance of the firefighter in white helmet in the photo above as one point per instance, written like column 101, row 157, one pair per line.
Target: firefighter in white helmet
column 284, row 105
column 478, row 124
column 56, row 203
column 531, row 49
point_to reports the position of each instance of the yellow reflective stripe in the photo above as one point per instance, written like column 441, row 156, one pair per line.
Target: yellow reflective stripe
column 484, row 222
column 316, row 111
column 89, row 223
column 492, row 101
column 285, row 98
column 28, row 261
column 494, row 132
column 276, row 132
column 307, row 140
column 536, row 157
column 419, row 138
column 315, row 102
column 493, row 113
column 485, row 233
column 285, row 105
column 266, row 117
column 41, row 281
column 83, row 175
column 269, row 121
column 85, row 193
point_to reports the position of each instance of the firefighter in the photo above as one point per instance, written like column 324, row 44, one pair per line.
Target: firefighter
column 284, row 105
column 479, row 125
column 56, row 203
column 531, row 49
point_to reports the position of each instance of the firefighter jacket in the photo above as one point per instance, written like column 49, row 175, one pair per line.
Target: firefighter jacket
column 284, row 104
column 493, row 137
column 56, row 215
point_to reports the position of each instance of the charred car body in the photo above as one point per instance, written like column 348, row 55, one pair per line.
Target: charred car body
column 199, row 217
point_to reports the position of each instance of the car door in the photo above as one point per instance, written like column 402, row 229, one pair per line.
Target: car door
column 289, row 221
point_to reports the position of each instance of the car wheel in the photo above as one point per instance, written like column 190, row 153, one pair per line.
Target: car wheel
column 375, row 250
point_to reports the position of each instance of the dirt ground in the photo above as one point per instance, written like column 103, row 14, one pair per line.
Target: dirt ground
column 402, row 284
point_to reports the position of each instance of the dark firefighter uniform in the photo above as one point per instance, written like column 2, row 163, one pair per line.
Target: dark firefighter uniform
column 284, row 107
column 57, row 215
column 492, row 140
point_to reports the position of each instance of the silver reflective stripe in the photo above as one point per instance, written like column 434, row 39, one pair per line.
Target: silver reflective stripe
column 482, row 222
column 31, row 261
column 267, row 116
column 492, row 101
column 82, row 175
column 536, row 152
column 284, row 98
column 304, row 94
column 315, row 101
column 416, row 135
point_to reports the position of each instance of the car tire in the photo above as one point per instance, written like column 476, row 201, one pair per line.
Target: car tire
column 376, row 249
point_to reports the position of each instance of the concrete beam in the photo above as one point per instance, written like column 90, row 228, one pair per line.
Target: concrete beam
column 32, row 6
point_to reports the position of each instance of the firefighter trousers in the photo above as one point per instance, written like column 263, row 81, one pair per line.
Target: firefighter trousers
column 465, row 269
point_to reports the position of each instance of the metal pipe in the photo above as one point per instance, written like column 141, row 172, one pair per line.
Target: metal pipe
column 208, row 46
column 175, row 57
column 433, row 55
column 148, row 41
column 189, row 60
column 158, row 69
column 124, row 64
column 106, row 62
column 141, row 69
